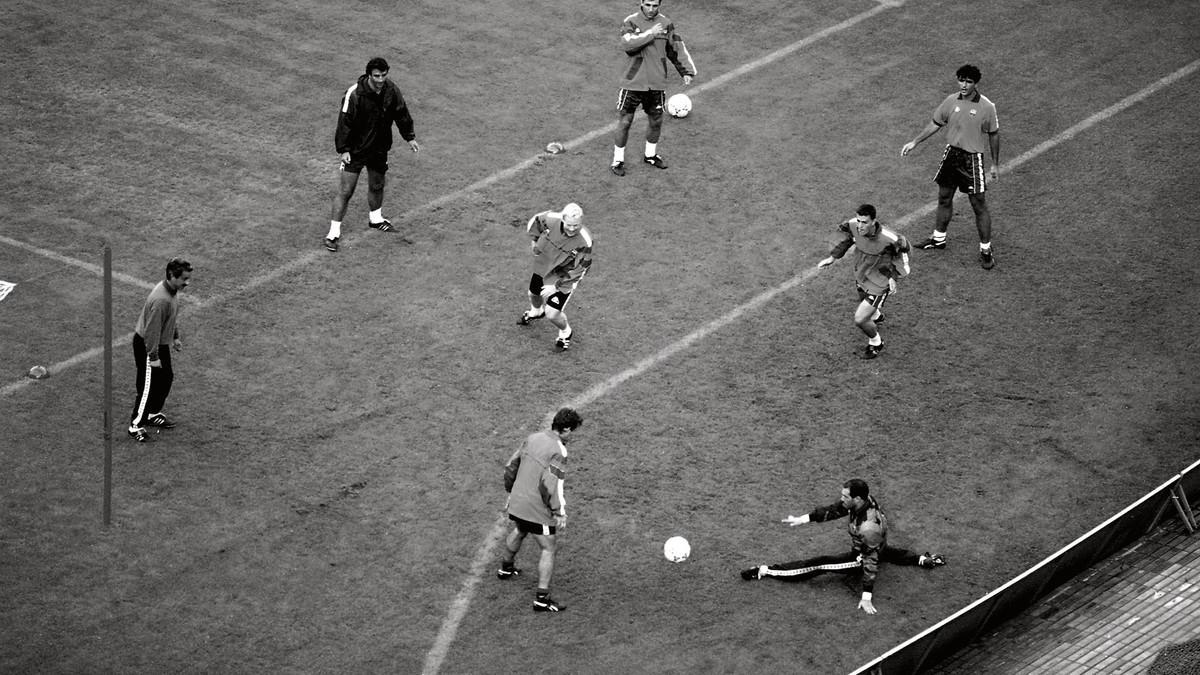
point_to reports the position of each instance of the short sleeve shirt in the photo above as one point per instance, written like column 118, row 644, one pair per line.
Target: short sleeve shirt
column 968, row 121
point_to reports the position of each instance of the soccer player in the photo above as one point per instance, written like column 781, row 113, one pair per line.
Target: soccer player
column 363, row 138
column 534, row 478
column 153, row 338
column 868, row 545
column 880, row 257
column 562, row 254
column 649, row 41
column 971, row 127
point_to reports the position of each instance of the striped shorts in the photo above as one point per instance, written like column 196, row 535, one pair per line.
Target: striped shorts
column 961, row 169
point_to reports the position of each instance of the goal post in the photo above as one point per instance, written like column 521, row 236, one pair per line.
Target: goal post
column 108, row 386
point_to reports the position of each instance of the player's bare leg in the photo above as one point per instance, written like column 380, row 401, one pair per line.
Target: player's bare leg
column 559, row 319
column 983, row 223
column 864, row 318
column 653, row 133
column 347, row 181
column 620, row 138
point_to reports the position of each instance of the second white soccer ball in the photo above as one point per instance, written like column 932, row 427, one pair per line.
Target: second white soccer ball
column 679, row 105
column 677, row 549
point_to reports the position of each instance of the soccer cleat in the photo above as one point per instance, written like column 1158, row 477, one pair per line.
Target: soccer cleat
column 754, row 573
column 618, row 168
column 872, row 351
column 987, row 260
column 529, row 317
column 331, row 245
column 656, row 161
column 564, row 343
column 139, row 434
column 508, row 573
column 383, row 226
column 160, row 420
column 546, row 604
column 931, row 561
column 938, row 244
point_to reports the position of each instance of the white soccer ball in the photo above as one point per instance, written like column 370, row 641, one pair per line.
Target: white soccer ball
column 677, row 549
column 679, row 105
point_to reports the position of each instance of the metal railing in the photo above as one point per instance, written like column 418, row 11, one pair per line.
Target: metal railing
column 939, row 641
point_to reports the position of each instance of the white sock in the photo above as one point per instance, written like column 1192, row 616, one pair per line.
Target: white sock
column 985, row 247
column 376, row 216
column 651, row 149
column 939, row 236
column 566, row 332
column 875, row 341
column 618, row 154
column 537, row 311
column 335, row 229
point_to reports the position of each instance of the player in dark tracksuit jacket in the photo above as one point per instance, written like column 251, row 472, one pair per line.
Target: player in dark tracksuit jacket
column 363, row 139
column 880, row 258
column 868, row 530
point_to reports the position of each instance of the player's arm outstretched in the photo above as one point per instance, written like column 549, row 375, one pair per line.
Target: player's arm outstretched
column 839, row 249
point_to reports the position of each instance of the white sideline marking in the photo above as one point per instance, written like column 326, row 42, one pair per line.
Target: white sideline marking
column 74, row 262
column 462, row 601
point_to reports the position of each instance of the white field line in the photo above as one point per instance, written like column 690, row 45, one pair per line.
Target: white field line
column 486, row 555
column 74, row 262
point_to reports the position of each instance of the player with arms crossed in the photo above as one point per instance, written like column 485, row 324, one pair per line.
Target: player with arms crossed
column 880, row 257
column 649, row 41
column 868, row 545
column 562, row 255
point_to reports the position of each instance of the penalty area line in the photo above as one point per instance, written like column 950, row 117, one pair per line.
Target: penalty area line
column 462, row 601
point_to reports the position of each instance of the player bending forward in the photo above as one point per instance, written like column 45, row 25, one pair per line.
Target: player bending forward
column 562, row 254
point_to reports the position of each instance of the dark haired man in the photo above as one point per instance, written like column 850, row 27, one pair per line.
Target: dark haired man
column 971, row 127
column 880, row 258
column 154, row 336
column 363, row 138
column 868, row 545
column 534, row 478
column 649, row 41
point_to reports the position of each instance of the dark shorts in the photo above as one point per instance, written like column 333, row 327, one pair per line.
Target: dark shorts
column 874, row 299
column 530, row 527
column 376, row 163
column 961, row 169
column 557, row 301
column 651, row 101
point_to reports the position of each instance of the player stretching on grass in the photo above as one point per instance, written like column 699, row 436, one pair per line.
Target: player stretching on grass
column 971, row 127
column 880, row 257
column 868, row 545
column 562, row 254
column 649, row 41
column 534, row 478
